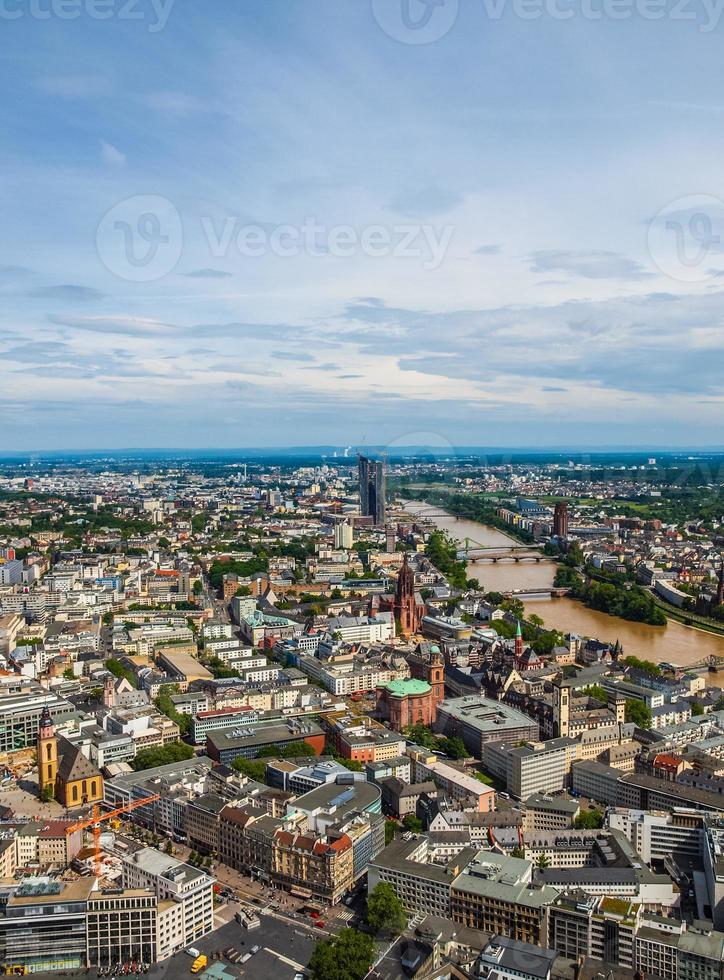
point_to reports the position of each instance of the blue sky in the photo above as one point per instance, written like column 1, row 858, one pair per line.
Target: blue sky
column 235, row 222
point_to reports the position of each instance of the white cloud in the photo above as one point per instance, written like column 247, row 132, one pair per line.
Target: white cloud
column 112, row 155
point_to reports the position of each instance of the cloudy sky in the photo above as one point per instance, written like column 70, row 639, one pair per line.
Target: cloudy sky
column 235, row 223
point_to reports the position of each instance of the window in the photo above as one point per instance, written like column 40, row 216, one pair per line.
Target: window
column 75, row 792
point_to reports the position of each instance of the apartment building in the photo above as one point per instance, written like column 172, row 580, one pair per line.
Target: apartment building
column 459, row 786
column 532, row 768
column 188, row 892
column 495, row 894
column 422, row 886
column 221, row 719
column 548, row 813
column 658, row 835
column 122, row 927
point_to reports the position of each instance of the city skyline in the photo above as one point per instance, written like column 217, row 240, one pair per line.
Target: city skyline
column 485, row 237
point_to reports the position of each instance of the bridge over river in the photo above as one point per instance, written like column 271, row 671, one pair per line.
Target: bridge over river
column 477, row 552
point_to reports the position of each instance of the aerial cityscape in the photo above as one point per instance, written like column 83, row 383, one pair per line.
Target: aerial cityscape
column 362, row 490
column 362, row 713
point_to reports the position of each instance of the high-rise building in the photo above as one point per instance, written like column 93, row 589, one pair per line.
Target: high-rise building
column 343, row 537
column 372, row 488
column 390, row 539
column 720, row 586
column 560, row 520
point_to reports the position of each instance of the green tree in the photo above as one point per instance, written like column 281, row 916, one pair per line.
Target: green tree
column 385, row 911
column 173, row 752
column 574, row 555
column 719, row 706
column 166, row 706
column 597, row 692
column 347, row 956
column 697, row 708
column 421, row 735
column 588, row 820
column 543, row 862
column 251, row 768
column 412, row 823
column 638, row 713
column 442, row 552
column 390, row 831
column 648, row 666
column 294, row 750
column 513, row 606
column 198, row 587
column 48, row 794
column 118, row 670
column 518, row 851
column 454, row 747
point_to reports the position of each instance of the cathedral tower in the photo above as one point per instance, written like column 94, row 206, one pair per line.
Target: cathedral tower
column 47, row 753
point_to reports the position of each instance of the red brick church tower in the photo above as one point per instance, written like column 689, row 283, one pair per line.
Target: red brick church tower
column 406, row 608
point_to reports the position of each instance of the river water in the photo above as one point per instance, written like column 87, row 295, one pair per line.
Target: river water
column 674, row 642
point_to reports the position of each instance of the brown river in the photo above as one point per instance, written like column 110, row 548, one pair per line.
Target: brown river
column 674, row 642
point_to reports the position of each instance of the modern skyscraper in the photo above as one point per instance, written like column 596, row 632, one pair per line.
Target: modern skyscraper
column 560, row 520
column 372, row 488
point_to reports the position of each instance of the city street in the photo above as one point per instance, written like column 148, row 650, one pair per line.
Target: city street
column 284, row 951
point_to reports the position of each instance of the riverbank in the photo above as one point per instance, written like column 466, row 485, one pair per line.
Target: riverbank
column 470, row 507
column 675, row 642
column 688, row 619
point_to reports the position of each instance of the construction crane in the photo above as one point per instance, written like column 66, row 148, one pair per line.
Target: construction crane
column 95, row 821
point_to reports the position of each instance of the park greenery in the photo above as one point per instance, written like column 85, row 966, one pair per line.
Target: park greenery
column 638, row 713
column 421, row 735
column 347, row 956
column 475, row 507
column 162, row 755
column 541, row 640
column 442, row 552
column 166, row 706
column 119, row 670
column 588, row 820
column 648, row 666
column 615, row 595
